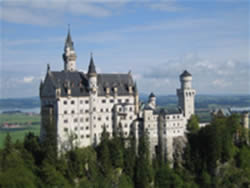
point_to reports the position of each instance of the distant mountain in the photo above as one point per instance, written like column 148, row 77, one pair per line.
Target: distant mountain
column 201, row 101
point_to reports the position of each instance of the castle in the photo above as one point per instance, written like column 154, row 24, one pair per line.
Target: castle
column 83, row 104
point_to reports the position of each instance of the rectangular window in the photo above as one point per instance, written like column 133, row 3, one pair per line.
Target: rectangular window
column 130, row 109
column 111, row 100
column 119, row 101
column 72, row 111
column 65, row 121
column 65, row 129
column 107, row 118
column 127, row 100
column 81, row 102
column 86, row 111
column 87, row 128
column 94, row 109
column 86, row 102
column 99, row 118
column 75, row 128
column 82, row 136
column 87, row 135
column 64, row 102
column 87, row 119
column 81, row 128
column 107, row 110
column 103, row 101
column 81, row 111
column 75, row 120
column 72, row 102
column 101, row 110
column 65, row 111
column 81, row 119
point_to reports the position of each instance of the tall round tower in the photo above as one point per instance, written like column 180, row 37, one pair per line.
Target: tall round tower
column 152, row 100
column 69, row 55
column 186, row 94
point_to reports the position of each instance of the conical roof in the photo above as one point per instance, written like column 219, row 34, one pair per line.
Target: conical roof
column 151, row 95
column 92, row 69
column 69, row 43
column 185, row 74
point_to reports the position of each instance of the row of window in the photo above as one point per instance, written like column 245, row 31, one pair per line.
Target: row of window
column 87, row 111
column 103, row 101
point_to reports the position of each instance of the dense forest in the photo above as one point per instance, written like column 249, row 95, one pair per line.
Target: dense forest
column 217, row 155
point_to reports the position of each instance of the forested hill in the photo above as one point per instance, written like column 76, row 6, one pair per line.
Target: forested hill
column 216, row 156
column 202, row 101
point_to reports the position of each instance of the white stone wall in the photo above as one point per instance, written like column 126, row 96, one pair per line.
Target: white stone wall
column 85, row 119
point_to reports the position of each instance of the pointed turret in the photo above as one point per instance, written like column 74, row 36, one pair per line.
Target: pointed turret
column 152, row 100
column 69, row 55
column 69, row 43
column 92, row 75
column 92, row 70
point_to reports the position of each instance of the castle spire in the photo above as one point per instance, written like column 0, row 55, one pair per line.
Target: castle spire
column 69, row 55
column 68, row 42
column 92, row 70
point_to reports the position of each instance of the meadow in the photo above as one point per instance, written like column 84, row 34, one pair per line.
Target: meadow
column 29, row 123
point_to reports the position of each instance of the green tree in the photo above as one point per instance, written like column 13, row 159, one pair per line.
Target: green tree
column 143, row 171
column 193, row 124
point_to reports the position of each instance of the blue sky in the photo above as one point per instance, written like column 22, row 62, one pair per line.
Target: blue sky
column 156, row 40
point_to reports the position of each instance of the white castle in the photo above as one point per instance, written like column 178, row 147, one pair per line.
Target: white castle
column 82, row 104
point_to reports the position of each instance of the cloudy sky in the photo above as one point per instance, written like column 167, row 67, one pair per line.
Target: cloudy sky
column 156, row 40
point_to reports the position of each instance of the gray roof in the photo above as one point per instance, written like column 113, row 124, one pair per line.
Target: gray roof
column 185, row 74
column 69, row 43
column 91, row 66
column 78, row 83
column 151, row 95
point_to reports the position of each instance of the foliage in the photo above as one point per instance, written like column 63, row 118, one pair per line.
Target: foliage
column 217, row 155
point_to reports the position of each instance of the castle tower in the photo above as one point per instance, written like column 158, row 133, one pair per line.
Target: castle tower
column 92, row 79
column 245, row 119
column 69, row 55
column 92, row 75
column 186, row 94
column 152, row 100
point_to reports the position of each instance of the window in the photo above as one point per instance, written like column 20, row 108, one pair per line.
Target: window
column 87, row 135
column 99, row 118
column 82, row 136
column 72, row 111
column 86, row 111
column 75, row 128
column 75, row 120
column 86, row 102
column 65, row 121
column 103, row 101
column 130, row 117
column 107, row 118
column 173, row 117
column 87, row 128
column 81, row 111
column 81, row 119
column 120, row 109
column 111, row 100
column 81, row 128
column 87, row 119
column 107, row 110
column 94, row 109
column 101, row 110
column 130, row 109
column 81, row 101
column 64, row 102
column 126, row 125
column 119, row 101
column 127, row 100
column 65, row 129
column 65, row 111
column 72, row 102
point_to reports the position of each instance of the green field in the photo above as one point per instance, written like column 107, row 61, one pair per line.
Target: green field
column 30, row 124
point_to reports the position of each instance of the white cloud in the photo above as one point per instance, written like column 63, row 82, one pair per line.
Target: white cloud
column 28, row 79
column 221, row 83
